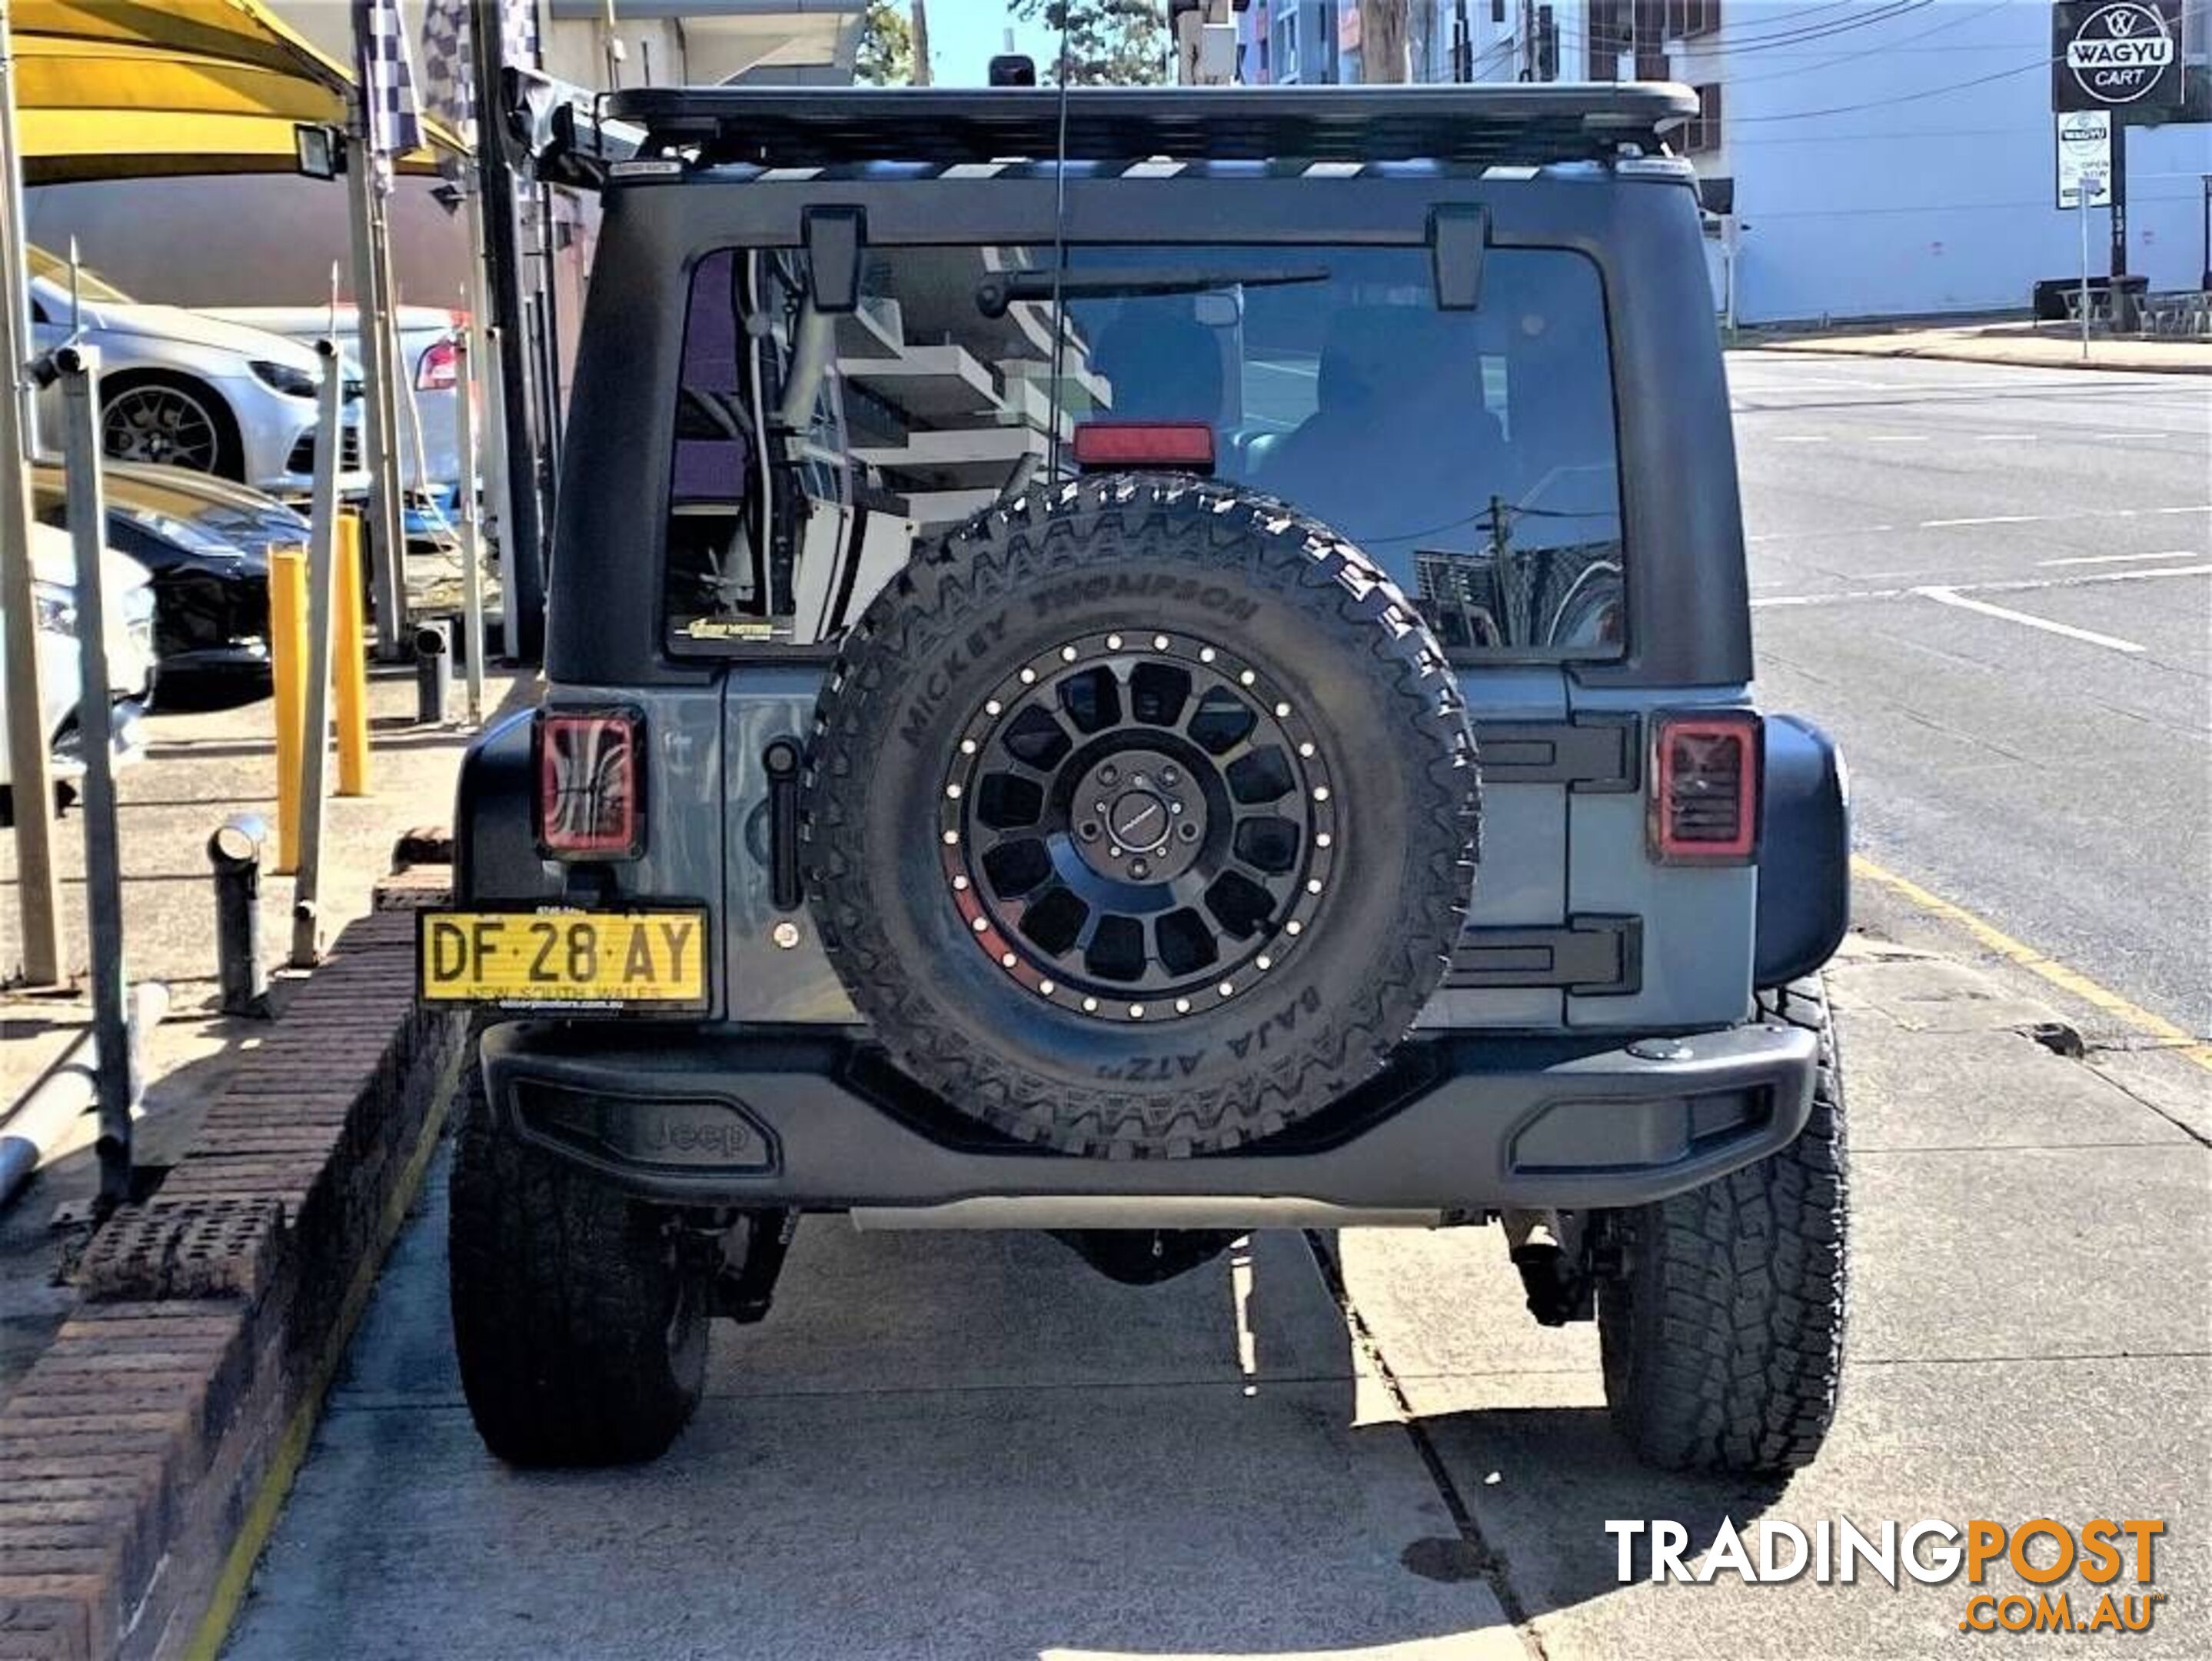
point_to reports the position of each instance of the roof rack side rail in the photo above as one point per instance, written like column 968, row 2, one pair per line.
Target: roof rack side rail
column 1483, row 123
column 562, row 132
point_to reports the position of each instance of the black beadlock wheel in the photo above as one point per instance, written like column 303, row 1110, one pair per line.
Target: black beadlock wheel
column 1722, row 1332
column 1140, row 822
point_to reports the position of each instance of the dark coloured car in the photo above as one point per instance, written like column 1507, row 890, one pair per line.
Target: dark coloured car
column 206, row 541
column 1149, row 667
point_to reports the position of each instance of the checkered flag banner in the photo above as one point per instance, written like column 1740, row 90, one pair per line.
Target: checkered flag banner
column 449, row 76
column 386, row 75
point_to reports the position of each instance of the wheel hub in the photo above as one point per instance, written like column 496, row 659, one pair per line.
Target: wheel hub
column 1138, row 821
column 1135, row 827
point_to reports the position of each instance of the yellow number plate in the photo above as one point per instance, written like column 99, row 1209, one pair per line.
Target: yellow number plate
column 571, row 961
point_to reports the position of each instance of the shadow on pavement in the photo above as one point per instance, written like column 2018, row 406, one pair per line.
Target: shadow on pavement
column 946, row 1445
column 35, row 1256
column 1551, row 1478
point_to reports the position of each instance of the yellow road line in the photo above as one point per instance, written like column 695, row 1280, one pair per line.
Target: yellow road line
column 291, row 1453
column 2072, row 981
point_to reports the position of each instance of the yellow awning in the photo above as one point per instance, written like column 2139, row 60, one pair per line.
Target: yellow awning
column 127, row 89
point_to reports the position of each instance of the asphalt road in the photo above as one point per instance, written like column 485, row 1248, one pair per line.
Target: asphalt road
column 1994, row 586
column 1360, row 1445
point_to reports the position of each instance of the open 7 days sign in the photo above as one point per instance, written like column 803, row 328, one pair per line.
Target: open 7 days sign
column 2116, row 54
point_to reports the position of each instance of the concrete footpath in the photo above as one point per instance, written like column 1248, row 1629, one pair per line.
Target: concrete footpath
column 969, row 1446
column 160, row 1373
column 2041, row 346
column 200, row 768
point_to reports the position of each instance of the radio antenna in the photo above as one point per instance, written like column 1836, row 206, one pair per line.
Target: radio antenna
column 1059, row 257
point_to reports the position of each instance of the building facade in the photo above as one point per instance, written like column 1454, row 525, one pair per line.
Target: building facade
column 271, row 239
column 1870, row 158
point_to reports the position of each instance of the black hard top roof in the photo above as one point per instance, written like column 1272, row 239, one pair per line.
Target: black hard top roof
column 1490, row 123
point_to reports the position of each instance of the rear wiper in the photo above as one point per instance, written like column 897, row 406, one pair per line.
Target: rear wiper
column 995, row 293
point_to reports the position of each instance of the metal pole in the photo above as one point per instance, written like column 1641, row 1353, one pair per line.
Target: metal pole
column 113, row 1075
column 392, row 529
column 349, row 664
column 315, row 718
column 2123, row 314
column 485, row 344
column 549, row 312
column 2206, row 284
column 20, row 296
column 2081, row 213
column 522, row 528
column 473, row 625
column 361, row 201
column 53, row 1108
column 234, row 855
column 38, row 889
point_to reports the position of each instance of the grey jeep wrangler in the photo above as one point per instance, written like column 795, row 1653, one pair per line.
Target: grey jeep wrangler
column 1146, row 667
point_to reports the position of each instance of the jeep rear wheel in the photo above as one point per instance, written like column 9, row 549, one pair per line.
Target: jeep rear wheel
column 1141, row 821
column 580, row 1331
column 1723, row 1331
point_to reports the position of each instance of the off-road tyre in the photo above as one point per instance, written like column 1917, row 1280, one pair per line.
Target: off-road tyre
column 581, row 1340
column 1723, row 1333
column 1342, row 971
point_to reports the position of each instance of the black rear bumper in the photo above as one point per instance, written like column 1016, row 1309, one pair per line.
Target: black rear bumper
column 1458, row 1125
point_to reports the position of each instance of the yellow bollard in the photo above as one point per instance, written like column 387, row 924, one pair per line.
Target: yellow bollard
column 349, row 662
column 288, row 662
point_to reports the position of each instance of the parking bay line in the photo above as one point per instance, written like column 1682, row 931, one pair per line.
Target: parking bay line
column 2072, row 981
column 2122, row 559
column 2012, row 585
column 1979, row 519
column 1965, row 603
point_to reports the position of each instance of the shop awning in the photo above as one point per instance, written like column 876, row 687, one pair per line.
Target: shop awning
column 132, row 89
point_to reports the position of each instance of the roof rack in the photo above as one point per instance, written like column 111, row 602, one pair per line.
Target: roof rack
column 1490, row 123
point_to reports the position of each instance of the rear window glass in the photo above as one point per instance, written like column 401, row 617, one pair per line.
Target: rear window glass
column 1470, row 452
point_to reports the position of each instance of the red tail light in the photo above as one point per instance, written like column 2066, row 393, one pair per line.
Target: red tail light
column 1184, row 445
column 438, row 369
column 1704, row 788
column 589, row 804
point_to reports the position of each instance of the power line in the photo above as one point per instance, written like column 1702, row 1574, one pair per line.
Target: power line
column 1754, row 29
column 2043, row 63
column 1864, row 17
column 1871, row 51
column 1717, row 41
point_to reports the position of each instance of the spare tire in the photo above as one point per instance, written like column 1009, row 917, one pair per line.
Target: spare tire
column 1140, row 820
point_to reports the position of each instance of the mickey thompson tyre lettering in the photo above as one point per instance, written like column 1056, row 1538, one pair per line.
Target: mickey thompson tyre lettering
column 1140, row 818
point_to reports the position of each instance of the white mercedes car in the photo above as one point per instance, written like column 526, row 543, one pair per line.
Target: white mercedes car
column 429, row 432
column 185, row 389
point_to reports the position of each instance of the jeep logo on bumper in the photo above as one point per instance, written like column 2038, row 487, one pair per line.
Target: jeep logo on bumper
column 684, row 1135
column 699, row 1133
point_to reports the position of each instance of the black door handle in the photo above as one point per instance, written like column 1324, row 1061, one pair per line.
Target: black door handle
column 782, row 761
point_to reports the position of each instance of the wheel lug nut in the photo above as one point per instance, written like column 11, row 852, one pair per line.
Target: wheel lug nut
column 1109, row 775
column 1088, row 830
column 1169, row 776
column 1140, row 869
